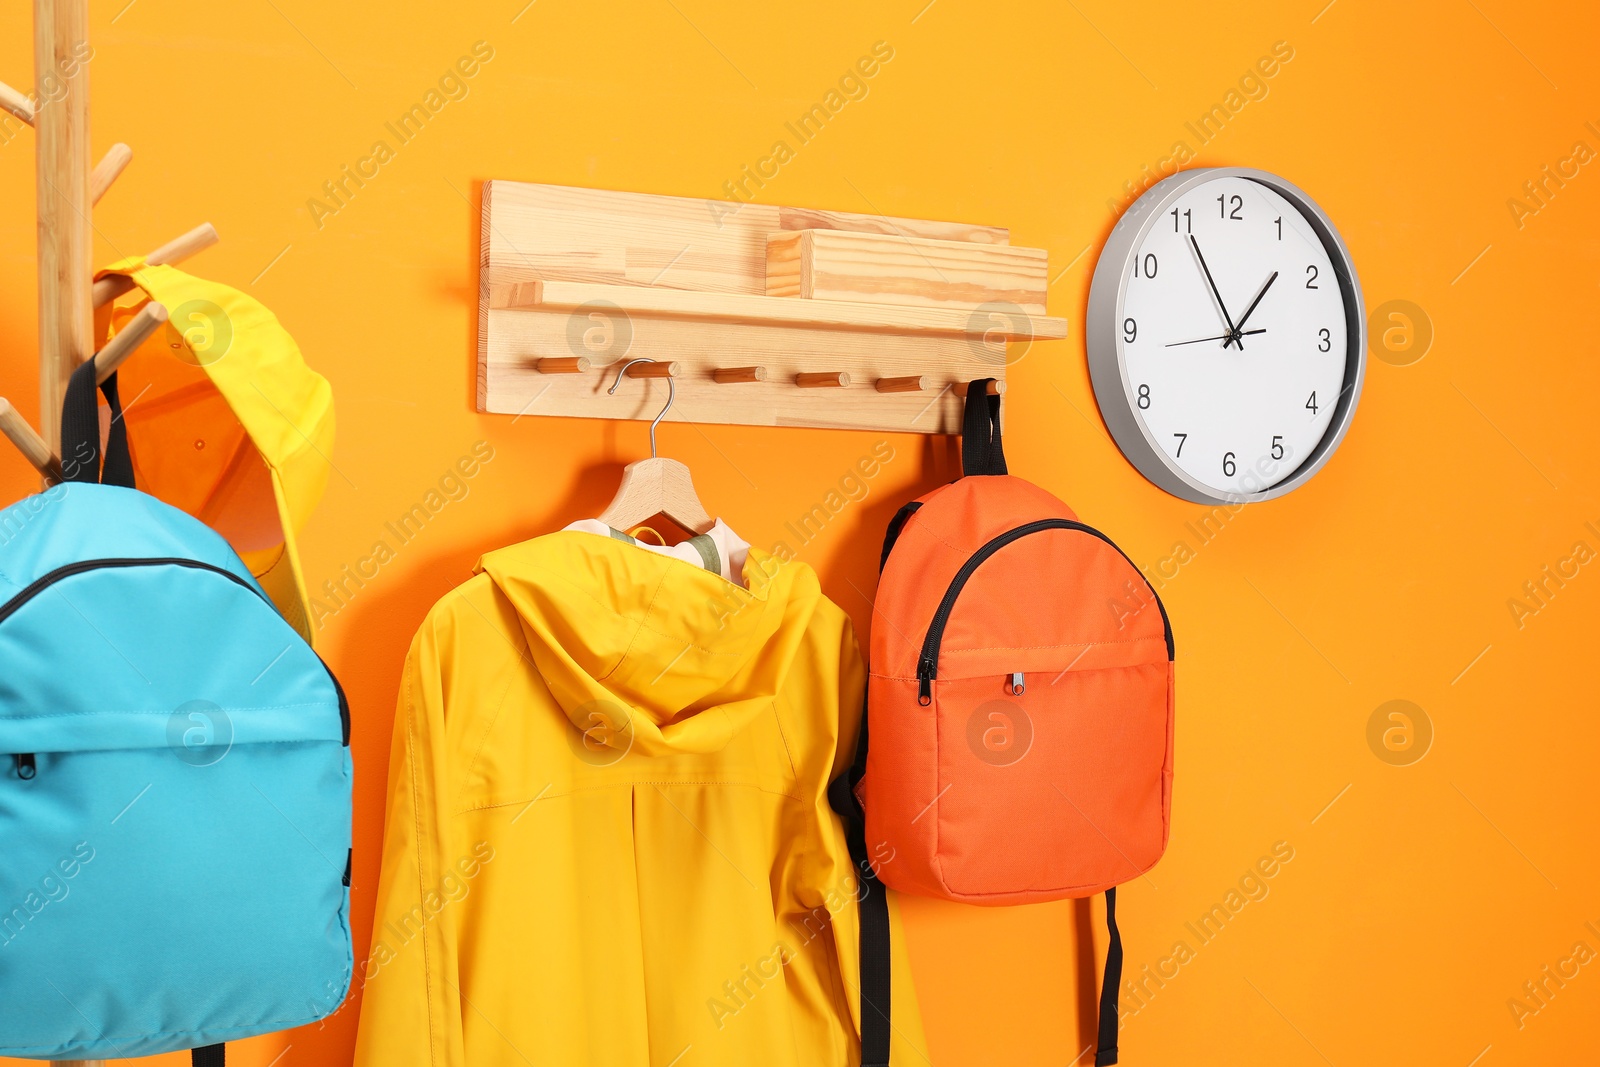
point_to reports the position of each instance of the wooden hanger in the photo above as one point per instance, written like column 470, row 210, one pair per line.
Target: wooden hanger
column 655, row 486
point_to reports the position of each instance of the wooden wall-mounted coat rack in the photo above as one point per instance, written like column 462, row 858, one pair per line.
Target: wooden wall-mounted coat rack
column 763, row 315
column 68, row 188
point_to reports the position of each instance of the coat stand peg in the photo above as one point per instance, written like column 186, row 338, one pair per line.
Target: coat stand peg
column 16, row 103
column 668, row 369
column 916, row 383
column 822, row 379
column 105, row 172
column 176, row 250
column 996, row 388
column 108, row 170
column 28, row 442
column 125, row 343
column 563, row 365
column 732, row 375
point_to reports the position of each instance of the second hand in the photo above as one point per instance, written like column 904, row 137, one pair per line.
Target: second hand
column 1219, row 337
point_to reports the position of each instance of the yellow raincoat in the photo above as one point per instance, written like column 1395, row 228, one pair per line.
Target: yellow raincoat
column 608, row 837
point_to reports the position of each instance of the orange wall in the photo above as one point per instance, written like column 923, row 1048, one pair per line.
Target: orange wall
column 1417, row 904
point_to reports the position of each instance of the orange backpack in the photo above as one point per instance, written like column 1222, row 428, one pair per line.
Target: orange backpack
column 1020, row 701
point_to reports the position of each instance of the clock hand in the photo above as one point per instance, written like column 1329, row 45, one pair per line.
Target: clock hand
column 1238, row 330
column 1232, row 330
column 1219, row 337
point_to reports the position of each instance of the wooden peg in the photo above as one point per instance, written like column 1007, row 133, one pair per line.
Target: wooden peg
column 563, row 365
column 176, row 250
column 28, row 442
column 667, row 369
column 732, row 375
column 184, row 245
column 110, row 167
column 996, row 388
column 821, row 379
column 16, row 103
column 914, row 384
column 126, row 342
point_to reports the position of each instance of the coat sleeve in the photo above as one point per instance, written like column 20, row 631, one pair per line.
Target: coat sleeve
column 411, row 1003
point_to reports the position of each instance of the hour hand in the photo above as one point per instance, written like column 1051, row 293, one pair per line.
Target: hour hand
column 1239, row 330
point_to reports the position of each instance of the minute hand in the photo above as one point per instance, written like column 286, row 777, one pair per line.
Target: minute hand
column 1232, row 330
column 1239, row 329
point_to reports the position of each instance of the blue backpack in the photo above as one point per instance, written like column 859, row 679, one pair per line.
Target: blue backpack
column 175, row 779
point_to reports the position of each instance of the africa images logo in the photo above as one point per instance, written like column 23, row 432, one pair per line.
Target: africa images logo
column 603, row 734
column 999, row 732
column 199, row 733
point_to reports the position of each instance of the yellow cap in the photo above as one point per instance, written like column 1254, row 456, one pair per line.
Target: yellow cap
column 226, row 422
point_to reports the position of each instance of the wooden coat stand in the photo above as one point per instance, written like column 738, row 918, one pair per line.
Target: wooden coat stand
column 67, row 190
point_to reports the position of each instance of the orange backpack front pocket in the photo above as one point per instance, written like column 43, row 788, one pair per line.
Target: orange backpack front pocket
column 1057, row 790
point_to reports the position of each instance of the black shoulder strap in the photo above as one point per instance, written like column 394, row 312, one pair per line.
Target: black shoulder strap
column 872, row 897
column 207, row 1056
column 980, row 432
column 80, row 432
column 896, row 524
column 1110, row 981
column 873, row 907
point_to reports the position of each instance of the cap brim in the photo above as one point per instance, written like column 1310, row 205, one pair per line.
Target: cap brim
column 282, row 581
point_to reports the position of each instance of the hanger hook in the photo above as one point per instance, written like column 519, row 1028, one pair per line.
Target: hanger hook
column 672, row 394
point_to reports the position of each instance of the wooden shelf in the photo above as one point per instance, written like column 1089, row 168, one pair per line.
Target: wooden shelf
column 575, row 282
column 777, row 310
column 880, row 268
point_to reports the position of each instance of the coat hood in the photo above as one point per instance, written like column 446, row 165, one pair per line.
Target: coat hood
column 649, row 654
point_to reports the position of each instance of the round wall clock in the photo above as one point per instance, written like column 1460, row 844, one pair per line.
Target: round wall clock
column 1226, row 337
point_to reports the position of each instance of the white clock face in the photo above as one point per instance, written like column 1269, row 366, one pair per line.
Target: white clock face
column 1232, row 331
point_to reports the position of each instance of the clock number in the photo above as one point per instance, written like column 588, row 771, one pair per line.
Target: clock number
column 1130, row 330
column 1311, row 404
column 1311, row 277
column 1235, row 202
column 1277, row 447
column 1188, row 221
column 1144, row 397
column 1149, row 265
column 1327, row 341
column 1279, row 223
column 1228, row 466
column 1183, row 439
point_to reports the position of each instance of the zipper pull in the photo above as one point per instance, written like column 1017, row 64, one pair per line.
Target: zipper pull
column 26, row 767
column 925, row 672
column 1016, row 685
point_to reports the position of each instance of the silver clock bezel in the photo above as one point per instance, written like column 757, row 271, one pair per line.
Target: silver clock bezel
column 1108, row 372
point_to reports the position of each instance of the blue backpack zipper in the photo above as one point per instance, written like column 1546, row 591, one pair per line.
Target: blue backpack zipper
column 26, row 763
